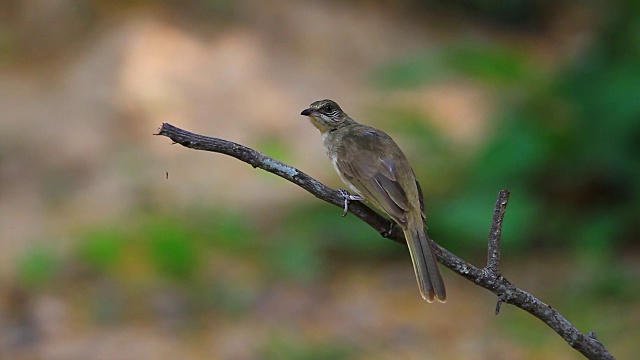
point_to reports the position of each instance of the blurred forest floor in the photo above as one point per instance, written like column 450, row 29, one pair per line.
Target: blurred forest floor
column 366, row 312
column 104, row 257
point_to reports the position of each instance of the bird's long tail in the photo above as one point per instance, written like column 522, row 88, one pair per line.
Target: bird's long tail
column 424, row 261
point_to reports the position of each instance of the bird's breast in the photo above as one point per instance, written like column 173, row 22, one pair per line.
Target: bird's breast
column 346, row 181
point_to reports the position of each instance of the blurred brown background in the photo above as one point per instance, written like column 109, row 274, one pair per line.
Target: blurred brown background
column 102, row 257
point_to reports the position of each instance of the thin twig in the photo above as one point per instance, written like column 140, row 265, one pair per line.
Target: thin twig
column 495, row 235
column 491, row 280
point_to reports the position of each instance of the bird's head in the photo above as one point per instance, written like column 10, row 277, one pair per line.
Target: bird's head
column 326, row 115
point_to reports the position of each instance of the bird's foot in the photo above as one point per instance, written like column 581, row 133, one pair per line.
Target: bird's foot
column 348, row 197
column 388, row 232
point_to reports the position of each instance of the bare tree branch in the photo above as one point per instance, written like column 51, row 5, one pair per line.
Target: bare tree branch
column 495, row 235
column 489, row 277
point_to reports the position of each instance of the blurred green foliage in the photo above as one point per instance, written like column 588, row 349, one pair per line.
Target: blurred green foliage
column 566, row 142
column 38, row 267
column 171, row 253
column 283, row 347
column 214, row 254
column 101, row 249
column 517, row 14
column 487, row 62
column 311, row 236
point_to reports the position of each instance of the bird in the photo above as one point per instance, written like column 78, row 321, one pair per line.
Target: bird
column 374, row 167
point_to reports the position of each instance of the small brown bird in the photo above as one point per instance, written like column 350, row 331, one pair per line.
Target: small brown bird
column 374, row 167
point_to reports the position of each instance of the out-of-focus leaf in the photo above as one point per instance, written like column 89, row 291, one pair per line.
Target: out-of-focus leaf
column 491, row 64
column 226, row 230
column 485, row 62
column 171, row 249
column 411, row 71
column 323, row 226
column 38, row 266
column 295, row 258
column 288, row 347
column 101, row 249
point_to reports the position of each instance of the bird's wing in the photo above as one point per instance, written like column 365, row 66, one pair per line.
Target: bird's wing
column 366, row 159
column 421, row 197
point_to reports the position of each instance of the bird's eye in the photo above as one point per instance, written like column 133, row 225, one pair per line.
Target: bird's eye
column 328, row 109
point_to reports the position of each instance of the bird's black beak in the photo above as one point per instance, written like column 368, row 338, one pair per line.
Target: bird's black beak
column 306, row 112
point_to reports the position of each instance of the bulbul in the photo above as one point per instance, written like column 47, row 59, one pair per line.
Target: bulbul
column 372, row 165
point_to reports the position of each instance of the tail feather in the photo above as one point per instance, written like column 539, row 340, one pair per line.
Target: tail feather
column 428, row 275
